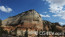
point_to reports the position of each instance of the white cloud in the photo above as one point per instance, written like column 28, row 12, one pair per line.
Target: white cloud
column 61, row 23
column 57, row 15
column 44, row 15
column 43, row 0
column 44, row 12
column 5, row 9
column 56, row 7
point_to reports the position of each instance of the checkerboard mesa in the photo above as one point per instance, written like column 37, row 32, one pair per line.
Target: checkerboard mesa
column 27, row 19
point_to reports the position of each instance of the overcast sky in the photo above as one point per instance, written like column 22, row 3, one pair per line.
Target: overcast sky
column 51, row 10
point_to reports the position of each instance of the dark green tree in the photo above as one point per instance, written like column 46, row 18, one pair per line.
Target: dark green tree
column 38, row 33
column 26, row 33
column 0, row 22
column 1, row 31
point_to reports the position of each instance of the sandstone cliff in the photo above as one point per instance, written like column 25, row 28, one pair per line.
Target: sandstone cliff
column 27, row 19
column 55, row 27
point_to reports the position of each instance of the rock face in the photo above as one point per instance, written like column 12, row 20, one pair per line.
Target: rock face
column 55, row 27
column 28, row 19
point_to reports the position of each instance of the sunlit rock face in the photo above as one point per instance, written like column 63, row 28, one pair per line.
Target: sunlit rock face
column 27, row 19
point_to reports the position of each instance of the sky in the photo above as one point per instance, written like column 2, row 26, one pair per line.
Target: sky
column 50, row 10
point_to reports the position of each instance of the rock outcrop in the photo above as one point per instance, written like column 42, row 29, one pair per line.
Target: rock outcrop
column 27, row 19
column 55, row 27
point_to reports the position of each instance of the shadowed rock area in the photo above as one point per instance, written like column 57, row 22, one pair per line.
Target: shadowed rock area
column 54, row 27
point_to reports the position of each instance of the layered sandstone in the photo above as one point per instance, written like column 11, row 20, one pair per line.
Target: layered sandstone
column 27, row 19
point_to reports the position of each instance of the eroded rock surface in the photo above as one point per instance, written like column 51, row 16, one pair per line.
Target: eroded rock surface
column 28, row 19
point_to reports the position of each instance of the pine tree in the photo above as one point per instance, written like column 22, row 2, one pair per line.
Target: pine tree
column 26, row 33
column 38, row 33
column 0, row 22
column 1, row 31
